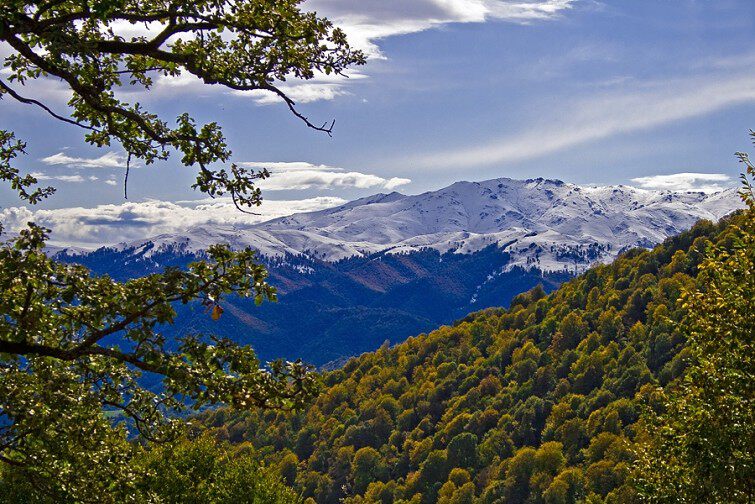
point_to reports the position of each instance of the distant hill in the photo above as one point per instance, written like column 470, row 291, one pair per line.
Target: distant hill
column 395, row 265
column 533, row 404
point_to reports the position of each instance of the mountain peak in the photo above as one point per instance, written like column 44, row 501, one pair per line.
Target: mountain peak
column 541, row 223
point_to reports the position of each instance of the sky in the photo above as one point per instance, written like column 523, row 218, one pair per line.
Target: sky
column 658, row 95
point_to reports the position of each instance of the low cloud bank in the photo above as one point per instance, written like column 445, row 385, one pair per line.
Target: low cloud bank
column 90, row 228
column 706, row 182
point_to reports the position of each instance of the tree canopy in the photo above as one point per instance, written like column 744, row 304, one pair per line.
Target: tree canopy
column 701, row 431
column 73, row 346
column 537, row 403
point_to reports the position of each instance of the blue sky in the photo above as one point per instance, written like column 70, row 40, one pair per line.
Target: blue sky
column 587, row 91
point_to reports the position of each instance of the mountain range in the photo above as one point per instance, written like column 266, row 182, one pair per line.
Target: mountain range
column 393, row 265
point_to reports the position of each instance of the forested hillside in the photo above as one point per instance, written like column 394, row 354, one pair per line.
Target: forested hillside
column 535, row 403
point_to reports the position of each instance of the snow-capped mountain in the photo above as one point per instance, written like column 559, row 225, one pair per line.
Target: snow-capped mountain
column 544, row 224
column 390, row 266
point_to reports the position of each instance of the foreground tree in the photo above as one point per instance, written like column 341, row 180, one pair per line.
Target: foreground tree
column 73, row 346
column 701, row 442
column 198, row 471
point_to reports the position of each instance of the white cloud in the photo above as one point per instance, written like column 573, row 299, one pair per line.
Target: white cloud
column 321, row 87
column 306, row 92
column 706, row 182
column 63, row 178
column 618, row 112
column 111, row 182
column 303, row 179
column 128, row 30
column 367, row 21
column 280, row 166
column 301, row 175
column 130, row 221
column 182, row 80
column 107, row 160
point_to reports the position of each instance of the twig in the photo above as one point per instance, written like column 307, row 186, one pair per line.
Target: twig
column 30, row 101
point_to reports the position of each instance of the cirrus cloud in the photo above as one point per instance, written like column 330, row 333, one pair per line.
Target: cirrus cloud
column 77, row 179
column 626, row 110
column 107, row 160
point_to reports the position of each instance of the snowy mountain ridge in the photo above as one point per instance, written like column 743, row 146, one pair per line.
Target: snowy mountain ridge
column 545, row 224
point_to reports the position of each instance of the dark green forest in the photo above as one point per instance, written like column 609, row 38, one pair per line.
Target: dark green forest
column 541, row 402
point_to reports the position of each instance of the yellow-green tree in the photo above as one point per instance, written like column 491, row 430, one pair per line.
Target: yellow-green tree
column 701, row 446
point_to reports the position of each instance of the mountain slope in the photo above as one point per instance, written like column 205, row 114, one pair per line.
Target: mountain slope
column 320, row 303
column 398, row 265
column 547, row 224
column 537, row 403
